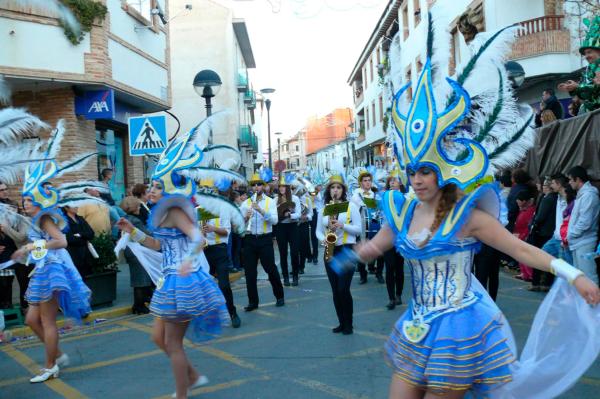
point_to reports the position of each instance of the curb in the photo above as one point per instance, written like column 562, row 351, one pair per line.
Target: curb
column 25, row 331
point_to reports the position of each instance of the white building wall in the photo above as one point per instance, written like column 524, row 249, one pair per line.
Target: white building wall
column 132, row 69
column 36, row 46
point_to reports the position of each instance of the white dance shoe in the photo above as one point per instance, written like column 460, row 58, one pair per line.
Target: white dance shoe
column 202, row 380
column 46, row 374
column 63, row 360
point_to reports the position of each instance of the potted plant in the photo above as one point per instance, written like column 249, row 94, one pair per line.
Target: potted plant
column 103, row 280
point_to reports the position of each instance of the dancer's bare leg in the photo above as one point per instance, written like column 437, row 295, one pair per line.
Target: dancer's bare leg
column 158, row 337
column 48, row 312
column 174, row 334
column 446, row 395
column 34, row 321
column 402, row 390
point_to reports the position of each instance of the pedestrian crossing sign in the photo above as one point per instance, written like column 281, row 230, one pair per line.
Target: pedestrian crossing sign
column 147, row 135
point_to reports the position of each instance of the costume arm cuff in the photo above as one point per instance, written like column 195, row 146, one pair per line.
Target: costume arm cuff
column 137, row 235
column 562, row 269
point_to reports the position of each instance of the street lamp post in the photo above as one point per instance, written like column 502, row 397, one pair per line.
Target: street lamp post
column 268, row 105
column 207, row 84
column 278, row 134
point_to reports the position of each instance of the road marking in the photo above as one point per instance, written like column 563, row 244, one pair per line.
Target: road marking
column 590, row 381
column 361, row 353
column 333, row 391
column 250, row 335
column 220, row 387
column 121, row 359
column 56, row 384
column 27, row 345
column 228, row 357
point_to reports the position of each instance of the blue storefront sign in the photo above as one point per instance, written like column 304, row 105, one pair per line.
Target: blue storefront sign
column 96, row 104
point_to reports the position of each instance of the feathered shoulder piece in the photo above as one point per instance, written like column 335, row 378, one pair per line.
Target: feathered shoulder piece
column 467, row 127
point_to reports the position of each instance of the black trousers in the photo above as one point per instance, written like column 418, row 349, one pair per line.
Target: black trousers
column 304, row 243
column 540, row 277
column 257, row 248
column 487, row 269
column 340, row 287
column 236, row 250
column 314, row 252
column 394, row 273
column 362, row 268
column 287, row 235
column 219, row 263
column 6, row 291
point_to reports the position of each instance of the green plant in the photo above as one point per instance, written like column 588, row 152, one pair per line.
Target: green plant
column 107, row 259
column 86, row 12
column 386, row 119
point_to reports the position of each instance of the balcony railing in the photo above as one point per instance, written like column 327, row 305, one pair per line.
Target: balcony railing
column 250, row 99
column 242, row 81
column 246, row 136
column 541, row 24
column 254, row 145
column 539, row 36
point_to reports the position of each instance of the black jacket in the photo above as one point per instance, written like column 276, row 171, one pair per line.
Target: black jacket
column 544, row 220
column 78, row 236
column 553, row 105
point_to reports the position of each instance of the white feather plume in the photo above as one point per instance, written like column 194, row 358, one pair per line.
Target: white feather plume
column 11, row 217
column 56, row 138
column 75, row 164
column 219, row 154
column 200, row 134
column 16, row 123
column 75, row 200
column 80, row 186
column 222, row 207
column 215, row 174
column 14, row 160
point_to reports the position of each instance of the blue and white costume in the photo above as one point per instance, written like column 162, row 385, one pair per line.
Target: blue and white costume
column 56, row 276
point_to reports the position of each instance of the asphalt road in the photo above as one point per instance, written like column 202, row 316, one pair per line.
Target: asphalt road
column 286, row 352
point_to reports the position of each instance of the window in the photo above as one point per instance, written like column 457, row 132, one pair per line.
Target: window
column 380, row 109
column 141, row 7
column 377, row 51
column 371, row 67
column 409, row 79
column 367, row 117
column 419, row 64
column 417, row 8
column 405, row 20
column 454, row 52
column 364, row 73
column 297, row 147
column 373, row 114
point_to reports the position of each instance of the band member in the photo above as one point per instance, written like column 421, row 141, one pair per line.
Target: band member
column 217, row 231
column 371, row 222
column 288, row 214
column 306, row 215
column 260, row 213
column 317, row 204
column 394, row 262
column 337, row 232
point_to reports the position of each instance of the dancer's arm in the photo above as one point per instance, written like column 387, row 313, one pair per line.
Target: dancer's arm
column 182, row 221
column 57, row 239
column 488, row 230
column 137, row 235
column 374, row 248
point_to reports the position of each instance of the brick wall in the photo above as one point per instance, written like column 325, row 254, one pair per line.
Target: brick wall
column 557, row 41
column 553, row 7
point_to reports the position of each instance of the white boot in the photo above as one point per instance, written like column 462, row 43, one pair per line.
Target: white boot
column 202, row 380
column 63, row 360
column 46, row 374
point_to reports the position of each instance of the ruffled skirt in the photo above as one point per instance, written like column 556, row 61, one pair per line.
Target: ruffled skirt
column 463, row 350
column 65, row 284
column 195, row 298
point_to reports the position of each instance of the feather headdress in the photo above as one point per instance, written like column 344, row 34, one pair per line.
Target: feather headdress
column 464, row 128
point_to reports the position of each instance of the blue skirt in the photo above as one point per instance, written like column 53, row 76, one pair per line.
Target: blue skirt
column 63, row 282
column 463, row 350
column 195, row 298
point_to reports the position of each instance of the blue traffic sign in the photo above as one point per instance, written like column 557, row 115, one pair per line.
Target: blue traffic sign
column 147, row 135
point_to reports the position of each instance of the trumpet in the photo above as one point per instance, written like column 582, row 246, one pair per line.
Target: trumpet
column 330, row 238
column 249, row 225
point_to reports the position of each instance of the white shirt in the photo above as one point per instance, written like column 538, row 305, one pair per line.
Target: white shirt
column 295, row 215
column 308, row 203
column 318, row 200
column 222, row 223
column 261, row 224
column 352, row 225
column 561, row 205
column 359, row 194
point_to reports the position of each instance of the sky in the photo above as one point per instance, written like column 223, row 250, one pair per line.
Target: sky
column 306, row 50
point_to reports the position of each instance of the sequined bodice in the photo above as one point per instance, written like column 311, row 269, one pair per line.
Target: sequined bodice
column 54, row 255
column 174, row 245
column 441, row 282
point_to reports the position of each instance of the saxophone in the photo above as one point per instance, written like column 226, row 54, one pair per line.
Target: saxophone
column 330, row 238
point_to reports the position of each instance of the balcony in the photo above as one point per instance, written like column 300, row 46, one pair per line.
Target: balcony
column 539, row 36
column 242, row 81
column 254, row 145
column 250, row 99
column 246, row 136
column 358, row 96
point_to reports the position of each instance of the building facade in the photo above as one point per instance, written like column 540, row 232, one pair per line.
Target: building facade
column 544, row 48
column 121, row 68
column 209, row 36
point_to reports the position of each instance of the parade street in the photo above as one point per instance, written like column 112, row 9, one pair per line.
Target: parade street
column 286, row 352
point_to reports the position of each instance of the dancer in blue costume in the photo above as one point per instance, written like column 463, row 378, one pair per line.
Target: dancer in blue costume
column 453, row 341
column 186, row 295
column 55, row 283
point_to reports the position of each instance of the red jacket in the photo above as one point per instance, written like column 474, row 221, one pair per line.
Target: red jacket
column 523, row 220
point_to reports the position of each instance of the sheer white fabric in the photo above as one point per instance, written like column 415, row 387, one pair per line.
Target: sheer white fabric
column 563, row 342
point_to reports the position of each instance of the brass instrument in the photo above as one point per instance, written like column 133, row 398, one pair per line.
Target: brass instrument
column 258, row 199
column 330, row 238
column 202, row 224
